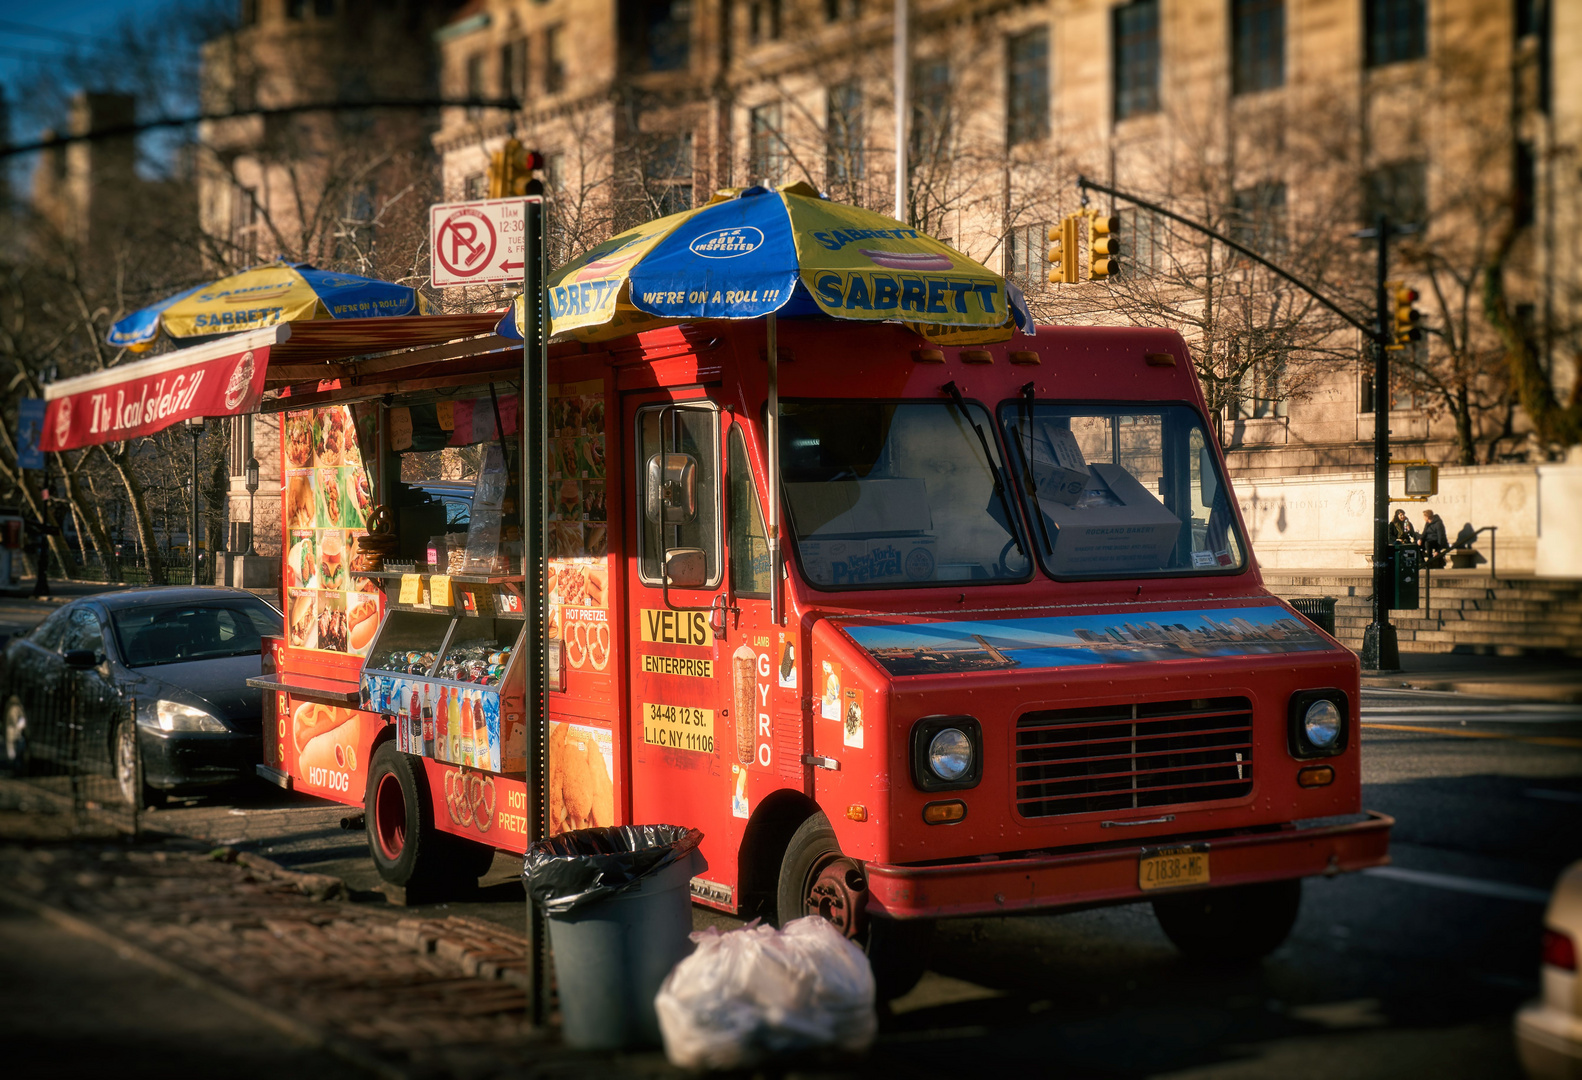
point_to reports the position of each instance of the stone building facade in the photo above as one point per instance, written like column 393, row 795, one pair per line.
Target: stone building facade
column 1286, row 125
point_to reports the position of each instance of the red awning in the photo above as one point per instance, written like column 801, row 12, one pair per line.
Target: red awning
column 227, row 377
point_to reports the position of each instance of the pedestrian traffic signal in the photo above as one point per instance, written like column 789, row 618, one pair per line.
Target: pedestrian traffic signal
column 1104, row 246
column 1062, row 255
column 510, row 169
column 1408, row 320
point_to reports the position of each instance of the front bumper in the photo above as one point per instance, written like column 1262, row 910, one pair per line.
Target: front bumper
column 182, row 760
column 1108, row 875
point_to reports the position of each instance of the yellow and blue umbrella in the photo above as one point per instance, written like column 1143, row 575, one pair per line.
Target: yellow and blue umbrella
column 753, row 252
column 264, row 296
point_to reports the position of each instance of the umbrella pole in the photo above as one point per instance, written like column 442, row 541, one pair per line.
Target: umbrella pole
column 776, row 614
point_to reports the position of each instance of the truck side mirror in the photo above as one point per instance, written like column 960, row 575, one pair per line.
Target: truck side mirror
column 670, row 493
column 686, row 568
column 1208, row 480
column 81, row 659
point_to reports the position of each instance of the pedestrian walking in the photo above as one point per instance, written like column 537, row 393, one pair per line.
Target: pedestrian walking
column 1401, row 531
column 1435, row 540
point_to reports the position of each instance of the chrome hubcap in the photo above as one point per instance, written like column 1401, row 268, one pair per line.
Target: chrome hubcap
column 14, row 726
column 126, row 762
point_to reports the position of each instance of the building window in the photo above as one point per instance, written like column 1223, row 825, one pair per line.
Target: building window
column 1024, row 255
column 296, row 9
column 1258, row 30
column 324, row 9
column 244, row 224
column 846, row 136
column 1136, row 58
column 1395, row 30
column 554, row 65
column 1528, row 17
column 930, row 110
column 475, row 187
column 667, row 32
column 513, row 69
column 763, row 21
column 1143, row 242
column 836, row 10
column 249, row 12
column 1027, row 87
column 555, row 171
column 766, row 148
column 1526, row 184
column 1262, row 389
column 668, row 175
column 474, row 78
column 1399, row 191
column 1258, row 218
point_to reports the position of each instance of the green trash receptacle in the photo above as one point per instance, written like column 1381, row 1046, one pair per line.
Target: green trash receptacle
column 1406, row 566
column 619, row 907
column 1318, row 610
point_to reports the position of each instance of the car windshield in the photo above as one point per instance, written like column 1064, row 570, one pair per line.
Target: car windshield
column 207, row 630
column 1121, row 490
column 897, row 494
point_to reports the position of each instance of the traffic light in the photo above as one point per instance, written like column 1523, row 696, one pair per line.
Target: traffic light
column 1408, row 320
column 510, row 168
column 1104, row 246
column 1062, row 255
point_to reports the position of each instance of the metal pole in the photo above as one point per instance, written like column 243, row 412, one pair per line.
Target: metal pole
column 903, row 99
column 192, row 535
column 532, row 423
column 772, row 435
column 1379, row 650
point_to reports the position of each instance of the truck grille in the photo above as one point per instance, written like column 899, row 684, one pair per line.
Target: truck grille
column 1123, row 757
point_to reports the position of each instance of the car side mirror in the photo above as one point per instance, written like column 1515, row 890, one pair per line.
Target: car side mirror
column 686, row 568
column 670, row 493
column 81, row 659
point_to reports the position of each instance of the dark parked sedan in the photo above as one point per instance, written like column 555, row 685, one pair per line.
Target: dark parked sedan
column 157, row 675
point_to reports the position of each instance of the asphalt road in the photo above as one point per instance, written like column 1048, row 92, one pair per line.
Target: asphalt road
column 1412, row 969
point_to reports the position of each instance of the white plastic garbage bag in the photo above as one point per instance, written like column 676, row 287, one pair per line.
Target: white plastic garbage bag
column 744, row 996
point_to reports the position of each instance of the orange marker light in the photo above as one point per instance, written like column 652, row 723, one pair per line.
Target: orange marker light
column 857, row 812
column 976, row 356
column 1316, row 776
column 944, row 813
column 928, row 356
column 1023, row 356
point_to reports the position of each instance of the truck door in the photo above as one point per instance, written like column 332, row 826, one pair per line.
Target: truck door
column 703, row 663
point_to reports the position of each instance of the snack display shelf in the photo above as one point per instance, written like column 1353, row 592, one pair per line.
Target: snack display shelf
column 328, row 691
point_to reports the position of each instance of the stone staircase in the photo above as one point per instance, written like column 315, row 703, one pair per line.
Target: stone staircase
column 1458, row 612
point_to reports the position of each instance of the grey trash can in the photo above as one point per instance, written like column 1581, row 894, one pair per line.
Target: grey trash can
column 1318, row 610
column 620, row 909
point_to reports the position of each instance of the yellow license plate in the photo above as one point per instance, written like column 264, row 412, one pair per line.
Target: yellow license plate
column 1173, row 868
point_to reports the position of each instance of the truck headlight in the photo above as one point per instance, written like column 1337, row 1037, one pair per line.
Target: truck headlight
column 950, row 754
column 174, row 716
column 1317, row 723
column 947, row 753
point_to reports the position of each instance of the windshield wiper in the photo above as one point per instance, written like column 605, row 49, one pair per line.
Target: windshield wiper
column 1032, row 481
column 999, row 484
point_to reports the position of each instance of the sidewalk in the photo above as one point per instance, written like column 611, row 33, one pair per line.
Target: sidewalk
column 1529, row 677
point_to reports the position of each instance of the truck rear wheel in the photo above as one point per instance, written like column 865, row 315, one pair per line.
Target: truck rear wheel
column 1238, row 924
column 405, row 847
column 816, row 879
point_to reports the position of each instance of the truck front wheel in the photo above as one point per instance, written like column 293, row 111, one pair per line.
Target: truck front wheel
column 406, row 849
column 1238, row 924
column 816, row 879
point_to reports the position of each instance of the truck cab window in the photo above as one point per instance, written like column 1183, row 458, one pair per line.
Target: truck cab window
column 749, row 543
column 1121, row 491
column 896, row 494
column 691, row 431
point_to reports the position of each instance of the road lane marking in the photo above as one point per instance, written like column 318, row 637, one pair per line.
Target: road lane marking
column 1476, row 886
column 1423, row 729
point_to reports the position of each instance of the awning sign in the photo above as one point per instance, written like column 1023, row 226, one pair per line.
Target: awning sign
column 142, row 398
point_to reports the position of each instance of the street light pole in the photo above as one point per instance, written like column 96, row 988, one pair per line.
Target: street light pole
column 194, row 425
column 1380, row 651
column 252, row 513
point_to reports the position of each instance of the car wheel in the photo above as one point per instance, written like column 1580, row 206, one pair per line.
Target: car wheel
column 816, row 879
column 129, row 769
column 406, row 848
column 1234, row 925
column 18, row 759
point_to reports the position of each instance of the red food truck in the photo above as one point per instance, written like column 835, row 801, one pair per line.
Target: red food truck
column 1024, row 660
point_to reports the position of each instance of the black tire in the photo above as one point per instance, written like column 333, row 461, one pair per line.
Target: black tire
column 127, row 765
column 18, row 755
column 1235, row 925
column 897, row 949
column 399, row 820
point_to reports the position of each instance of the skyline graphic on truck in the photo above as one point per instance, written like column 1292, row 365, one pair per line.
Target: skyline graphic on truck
column 1073, row 640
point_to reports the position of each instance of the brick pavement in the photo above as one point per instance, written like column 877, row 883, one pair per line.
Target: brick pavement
column 402, row 996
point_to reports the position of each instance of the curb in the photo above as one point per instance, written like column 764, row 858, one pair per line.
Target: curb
column 1556, row 692
column 292, row 1028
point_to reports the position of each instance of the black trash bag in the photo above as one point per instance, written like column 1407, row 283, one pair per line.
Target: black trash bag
column 575, row 869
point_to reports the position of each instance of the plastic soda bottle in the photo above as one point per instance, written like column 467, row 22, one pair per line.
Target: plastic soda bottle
column 468, row 742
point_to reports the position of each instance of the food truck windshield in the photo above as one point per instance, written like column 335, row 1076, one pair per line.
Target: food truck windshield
column 1120, row 491
column 898, row 494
